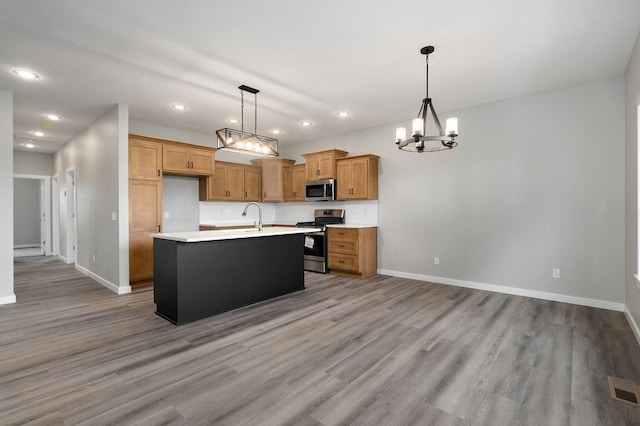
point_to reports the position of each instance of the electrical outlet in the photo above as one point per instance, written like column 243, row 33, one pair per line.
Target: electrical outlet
column 114, row 216
column 436, row 260
column 166, row 215
column 556, row 273
column 94, row 258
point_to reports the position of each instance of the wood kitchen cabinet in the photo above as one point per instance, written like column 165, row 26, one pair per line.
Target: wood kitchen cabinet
column 185, row 160
column 232, row 182
column 352, row 251
column 145, row 218
column 149, row 159
column 322, row 165
column 272, row 177
column 357, row 177
column 145, row 159
column 294, row 182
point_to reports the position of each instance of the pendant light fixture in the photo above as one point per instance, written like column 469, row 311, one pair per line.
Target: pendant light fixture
column 244, row 142
column 419, row 140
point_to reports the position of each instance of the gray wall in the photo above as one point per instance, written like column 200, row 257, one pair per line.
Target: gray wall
column 180, row 202
column 100, row 156
column 6, row 192
column 32, row 163
column 26, row 212
column 632, row 99
column 537, row 183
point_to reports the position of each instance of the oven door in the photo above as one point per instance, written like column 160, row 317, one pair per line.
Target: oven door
column 315, row 252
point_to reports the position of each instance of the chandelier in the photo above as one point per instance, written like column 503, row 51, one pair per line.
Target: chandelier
column 244, row 142
column 419, row 141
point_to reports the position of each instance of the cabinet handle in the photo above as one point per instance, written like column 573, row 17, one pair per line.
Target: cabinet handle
column 158, row 172
column 245, row 194
column 318, row 172
column 341, row 245
column 340, row 261
column 158, row 228
column 265, row 195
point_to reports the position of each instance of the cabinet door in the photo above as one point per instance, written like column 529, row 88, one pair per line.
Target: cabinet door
column 289, row 191
column 217, row 184
column 272, row 181
column 299, row 179
column 175, row 159
column 145, row 206
column 313, row 168
column 326, row 167
column 344, row 180
column 145, row 160
column 235, row 183
column 202, row 161
column 252, row 183
column 359, row 179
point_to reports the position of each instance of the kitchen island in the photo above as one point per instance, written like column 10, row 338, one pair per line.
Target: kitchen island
column 204, row 273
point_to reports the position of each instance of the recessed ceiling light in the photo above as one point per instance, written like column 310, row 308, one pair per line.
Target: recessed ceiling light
column 53, row 117
column 233, row 120
column 178, row 107
column 343, row 114
column 275, row 131
column 26, row 74
column 29, row 145
column 305, row 123
column 38, row 134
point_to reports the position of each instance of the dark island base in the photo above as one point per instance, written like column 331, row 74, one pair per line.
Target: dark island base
column 197, row 280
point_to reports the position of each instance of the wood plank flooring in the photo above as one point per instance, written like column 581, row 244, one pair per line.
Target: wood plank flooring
column 378, row 351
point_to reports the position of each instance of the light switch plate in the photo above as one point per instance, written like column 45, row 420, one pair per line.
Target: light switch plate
column 114, row 216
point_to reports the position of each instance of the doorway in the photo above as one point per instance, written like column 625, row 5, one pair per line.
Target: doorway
column 32, row 212
column 71, row 216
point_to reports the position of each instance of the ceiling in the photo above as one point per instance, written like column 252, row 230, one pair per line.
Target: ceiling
column 309, row 59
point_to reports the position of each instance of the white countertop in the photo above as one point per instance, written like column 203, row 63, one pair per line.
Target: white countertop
column 230, row 234
column 349, row 225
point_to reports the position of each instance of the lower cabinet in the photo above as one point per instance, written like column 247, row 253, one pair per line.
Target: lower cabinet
column 145, row 218
column 353, row 251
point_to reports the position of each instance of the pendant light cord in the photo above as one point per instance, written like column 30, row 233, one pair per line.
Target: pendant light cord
column 427, row 77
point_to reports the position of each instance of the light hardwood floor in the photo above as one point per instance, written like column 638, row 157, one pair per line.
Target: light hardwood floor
column 378, row 351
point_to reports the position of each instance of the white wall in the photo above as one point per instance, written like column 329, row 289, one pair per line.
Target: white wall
column 537, row 183
column 32, row 163
column 632, row 100
column 100, row 156
column 6, row 192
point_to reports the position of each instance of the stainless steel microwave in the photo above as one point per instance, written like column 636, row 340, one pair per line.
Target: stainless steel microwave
column 320, row 190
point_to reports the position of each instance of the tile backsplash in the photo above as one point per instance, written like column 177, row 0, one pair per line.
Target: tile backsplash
column 230, row 213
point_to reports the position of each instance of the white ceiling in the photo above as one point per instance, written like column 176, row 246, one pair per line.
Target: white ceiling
column 309, row 59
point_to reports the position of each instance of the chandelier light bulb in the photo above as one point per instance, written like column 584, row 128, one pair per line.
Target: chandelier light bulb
column 418, row 127
column 401, row 134
column 452, row 126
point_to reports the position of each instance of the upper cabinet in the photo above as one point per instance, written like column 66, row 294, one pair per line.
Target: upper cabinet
column 187, row 160
column 294, row 180
column 145, row 160
column 322, row 165
column 232, row 182
column 272, row 177
column 357, row 177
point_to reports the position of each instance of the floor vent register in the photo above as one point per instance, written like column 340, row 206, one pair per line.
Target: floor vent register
column 624, row 390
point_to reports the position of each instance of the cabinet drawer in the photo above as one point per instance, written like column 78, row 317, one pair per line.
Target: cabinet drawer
column 343, row 246
column 348, row 234
column 343, row 262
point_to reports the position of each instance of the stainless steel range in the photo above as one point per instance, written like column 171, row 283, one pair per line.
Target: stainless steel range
column 315, row 243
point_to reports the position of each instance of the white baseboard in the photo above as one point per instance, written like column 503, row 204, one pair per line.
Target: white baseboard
column 8, row 299
column 633, row 324
column 114, row 288
column 62, row 258
column 593, row 303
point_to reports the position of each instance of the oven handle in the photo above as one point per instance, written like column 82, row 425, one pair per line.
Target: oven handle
column 321, row 234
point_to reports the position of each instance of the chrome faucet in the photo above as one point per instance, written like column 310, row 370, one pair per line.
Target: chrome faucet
column 244, row 213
